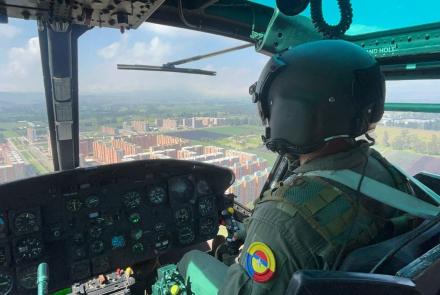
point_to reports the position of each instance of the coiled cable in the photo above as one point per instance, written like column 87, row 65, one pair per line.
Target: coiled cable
column 330, row 31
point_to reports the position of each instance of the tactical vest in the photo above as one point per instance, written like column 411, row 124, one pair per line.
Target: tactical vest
column 331, row 211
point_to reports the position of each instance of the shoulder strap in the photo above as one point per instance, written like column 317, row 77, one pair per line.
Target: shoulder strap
column 381, row 192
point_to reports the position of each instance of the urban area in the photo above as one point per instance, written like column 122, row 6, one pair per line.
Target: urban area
column 227, row 134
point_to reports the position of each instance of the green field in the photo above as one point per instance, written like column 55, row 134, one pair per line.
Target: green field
column 9, row 134
column 237, row 130
column 393, row 132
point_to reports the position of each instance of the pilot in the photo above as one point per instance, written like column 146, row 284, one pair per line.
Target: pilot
column 315, row 100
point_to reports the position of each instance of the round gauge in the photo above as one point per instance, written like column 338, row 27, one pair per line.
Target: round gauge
column 78, row 238
column 205, row 206
column 2, row 224
column 134, row 217
column 161, row 242
column 6, row 284
column 95, row 231
column 131, row 199
column 79, row 252
column 203, row 188
column 29, row 248
column 28, row 277
column 97, row 246
column 118, row 242
column 136, row 234
column 2, row 256
column 186, row 235
column 182, row 215
column 157, row 195
column 26, row 222
column 207, row 226
column 92, row 201
column 80, row 270
column 181, row 188
column 160, row 226
column 74, row 205
column 138, row 248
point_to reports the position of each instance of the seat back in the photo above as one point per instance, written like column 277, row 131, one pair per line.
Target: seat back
column 364, row 259
column 311, row 282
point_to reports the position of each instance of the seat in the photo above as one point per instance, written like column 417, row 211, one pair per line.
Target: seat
column 314, row 282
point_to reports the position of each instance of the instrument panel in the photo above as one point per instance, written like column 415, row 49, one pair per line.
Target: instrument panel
column 85, row 222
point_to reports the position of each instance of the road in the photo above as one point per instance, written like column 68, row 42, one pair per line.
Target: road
column 39, row 158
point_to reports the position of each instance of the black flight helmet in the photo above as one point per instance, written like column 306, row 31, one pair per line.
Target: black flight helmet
column 317, row 92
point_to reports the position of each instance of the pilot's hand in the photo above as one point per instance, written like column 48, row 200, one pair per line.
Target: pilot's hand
column 240, row 234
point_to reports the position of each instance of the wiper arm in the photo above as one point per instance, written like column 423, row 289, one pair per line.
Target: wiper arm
column 171, row 66
column 166, row 68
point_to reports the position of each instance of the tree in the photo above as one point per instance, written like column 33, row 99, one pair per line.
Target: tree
column 386, row 138
column 420, row 146
column 398, row 143
column 433, row 146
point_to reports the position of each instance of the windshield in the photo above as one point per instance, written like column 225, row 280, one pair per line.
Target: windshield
column 134, row 115
column 378, row 15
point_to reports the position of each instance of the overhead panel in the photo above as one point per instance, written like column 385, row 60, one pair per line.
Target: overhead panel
column 118, row 14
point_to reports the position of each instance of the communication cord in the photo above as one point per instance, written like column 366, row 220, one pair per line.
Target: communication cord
column 326, row 29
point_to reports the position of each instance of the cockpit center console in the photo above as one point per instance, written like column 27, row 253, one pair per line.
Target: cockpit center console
column 89, row 221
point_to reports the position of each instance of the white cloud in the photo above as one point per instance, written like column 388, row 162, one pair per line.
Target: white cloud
column 22, row 69
column 363, row 29
column 167, row 31
column 109, row 51
column 9, row 31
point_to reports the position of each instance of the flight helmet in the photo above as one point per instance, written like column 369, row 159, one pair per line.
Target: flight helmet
column 316, row 92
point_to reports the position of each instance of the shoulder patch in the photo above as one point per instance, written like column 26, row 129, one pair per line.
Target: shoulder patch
column 260, row 262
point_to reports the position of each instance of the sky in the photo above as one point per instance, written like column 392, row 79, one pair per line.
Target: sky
column 100, row 50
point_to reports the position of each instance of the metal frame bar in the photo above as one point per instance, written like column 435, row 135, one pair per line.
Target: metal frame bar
column 413, row 107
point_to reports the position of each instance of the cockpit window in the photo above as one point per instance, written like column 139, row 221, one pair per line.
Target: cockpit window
column 377, row 15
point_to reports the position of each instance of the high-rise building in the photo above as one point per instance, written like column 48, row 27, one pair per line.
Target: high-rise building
column 158, row 122
column 140, row 126
column 110, row 130
column 31, row 134
column 84, row 148
column 107, row 153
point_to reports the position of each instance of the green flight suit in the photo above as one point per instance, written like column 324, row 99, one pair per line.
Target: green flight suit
column 308, row 235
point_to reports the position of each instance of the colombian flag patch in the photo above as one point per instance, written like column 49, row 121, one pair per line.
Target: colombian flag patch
column 260, row 262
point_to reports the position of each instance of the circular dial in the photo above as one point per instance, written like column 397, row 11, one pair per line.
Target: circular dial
column 6, row 283
column 79, row 252
column 29, row 248
column 131, row 199
column 92, row 201
column 28, row 277
column 181, row 188
column 2, row 256
column 95, row 231
column 161, row 242
column 207, row 226
column 157, row 195
column 78, row 238
column 26, row 222
column 118, row 242
column 186, row 235
column 134, row 217
column 74, row 205
column 136, row 234
column 182, row 215
column 205, row 206
column 138, row 248
column 97, row 246
column 160, row 226
column 203, row 188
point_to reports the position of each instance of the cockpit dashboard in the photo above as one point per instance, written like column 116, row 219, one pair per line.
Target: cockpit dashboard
column 88, row 221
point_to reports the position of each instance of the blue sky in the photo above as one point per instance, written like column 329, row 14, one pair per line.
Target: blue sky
column 100, row 50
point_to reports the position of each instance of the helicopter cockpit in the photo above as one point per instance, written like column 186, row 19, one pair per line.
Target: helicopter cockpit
column 121, row 228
